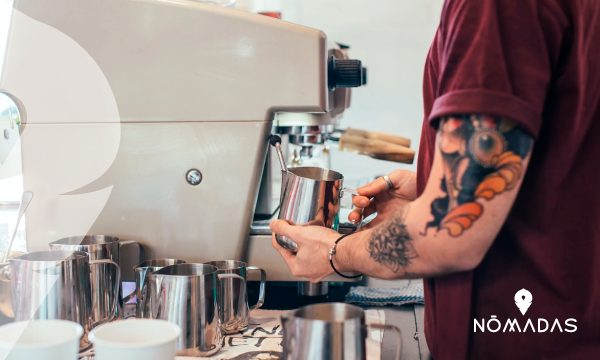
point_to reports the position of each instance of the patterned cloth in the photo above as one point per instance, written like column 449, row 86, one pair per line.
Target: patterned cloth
column 262, row 340
column 412, row 293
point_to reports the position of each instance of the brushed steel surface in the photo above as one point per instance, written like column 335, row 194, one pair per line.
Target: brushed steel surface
column 54, row 285
column 142, row 271
column 310, row 196
column 186, row 295
column 313, row 289
column 106, row 279
column 143, row 194
column 233, row 295
column 199, row 82
column 328, row 331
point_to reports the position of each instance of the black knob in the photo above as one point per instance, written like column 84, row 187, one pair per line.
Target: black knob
column 345, row 73
column 274, row 140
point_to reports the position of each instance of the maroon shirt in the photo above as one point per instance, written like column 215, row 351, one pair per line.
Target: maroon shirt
column 536, row 62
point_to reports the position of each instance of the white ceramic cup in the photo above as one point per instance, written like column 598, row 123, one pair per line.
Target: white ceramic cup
column 40, row 339
column 135, row 339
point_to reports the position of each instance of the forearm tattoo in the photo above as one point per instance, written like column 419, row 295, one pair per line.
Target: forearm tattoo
column 482, row 157
column 391, row 244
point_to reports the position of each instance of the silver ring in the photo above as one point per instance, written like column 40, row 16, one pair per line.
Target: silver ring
column 388, row 182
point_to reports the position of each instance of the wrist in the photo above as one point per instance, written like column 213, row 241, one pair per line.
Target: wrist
column 344, row 254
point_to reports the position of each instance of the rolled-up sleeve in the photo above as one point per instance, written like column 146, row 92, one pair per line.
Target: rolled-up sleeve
column 488, row 66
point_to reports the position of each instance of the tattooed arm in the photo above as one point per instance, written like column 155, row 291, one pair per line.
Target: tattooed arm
column 477, row 170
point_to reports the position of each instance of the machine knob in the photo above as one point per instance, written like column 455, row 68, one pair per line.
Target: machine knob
column 346, row 73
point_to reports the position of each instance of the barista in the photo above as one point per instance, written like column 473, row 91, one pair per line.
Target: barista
column 506, row 196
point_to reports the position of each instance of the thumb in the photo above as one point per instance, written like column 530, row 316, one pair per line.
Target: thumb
column 373, row 188
column 284, row 228
column 287, row 255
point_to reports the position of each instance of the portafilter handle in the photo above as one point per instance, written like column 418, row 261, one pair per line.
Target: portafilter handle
column 276, row 143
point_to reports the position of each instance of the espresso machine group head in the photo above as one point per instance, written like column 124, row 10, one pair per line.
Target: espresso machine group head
column 306, row 130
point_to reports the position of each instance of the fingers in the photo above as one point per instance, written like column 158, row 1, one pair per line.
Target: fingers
column 287, row 255
column 397, row 177
column 315, row 222
column 361, row 201
column 367, row 205
column 373, row 188
column 283, row 228
column 357, row 215
column 310, row 262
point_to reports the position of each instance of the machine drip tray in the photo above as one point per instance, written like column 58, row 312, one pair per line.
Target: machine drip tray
column 284, row 295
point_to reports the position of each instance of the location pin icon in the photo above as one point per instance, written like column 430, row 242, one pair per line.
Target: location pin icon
column 523, row 299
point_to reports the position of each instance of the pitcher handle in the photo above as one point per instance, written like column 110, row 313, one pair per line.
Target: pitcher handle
column 136, row 243
column 232, row 276
column 127, row 298
column 261, row 291
column 354, row 193
column 130, row 296
column 396, row 331
column 115, row 304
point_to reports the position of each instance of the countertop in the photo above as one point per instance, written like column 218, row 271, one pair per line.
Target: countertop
column 410, row 321
column 409, row 318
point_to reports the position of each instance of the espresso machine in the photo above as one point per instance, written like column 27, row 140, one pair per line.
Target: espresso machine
column 149, row 120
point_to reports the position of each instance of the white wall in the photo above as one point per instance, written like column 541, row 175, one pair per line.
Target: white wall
column 392, row 38
column 11, row 182
column 5, row 14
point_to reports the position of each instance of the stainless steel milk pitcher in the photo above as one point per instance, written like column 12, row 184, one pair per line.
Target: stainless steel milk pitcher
column 141, row 272
column 55, row 285
column 233, row 295
column 105, row 279
column 329, row 331
column 186, row 295
column 310, row 196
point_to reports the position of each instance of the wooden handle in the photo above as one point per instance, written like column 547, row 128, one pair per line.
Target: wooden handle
column 400, row 158
column 377, row 149
column 375, row 135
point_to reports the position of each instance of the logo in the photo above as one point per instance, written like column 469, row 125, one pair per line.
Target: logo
column 523, row 300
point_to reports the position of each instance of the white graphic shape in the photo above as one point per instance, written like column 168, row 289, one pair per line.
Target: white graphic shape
column 523, row 300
